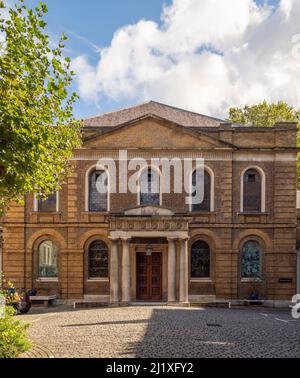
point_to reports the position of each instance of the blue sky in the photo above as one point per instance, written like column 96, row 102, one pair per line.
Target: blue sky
column 94, row 23
column 91, row 25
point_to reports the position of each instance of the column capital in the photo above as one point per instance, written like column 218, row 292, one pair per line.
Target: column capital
column 185, row 239
column 114, row 238
column 172, row 239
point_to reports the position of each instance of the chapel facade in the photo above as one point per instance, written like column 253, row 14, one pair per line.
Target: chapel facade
column 122, row 247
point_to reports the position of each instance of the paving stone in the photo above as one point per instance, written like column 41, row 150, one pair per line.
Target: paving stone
column 150, row 331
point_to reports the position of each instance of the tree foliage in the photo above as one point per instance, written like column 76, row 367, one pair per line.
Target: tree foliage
column 13, row 333
column 38, row 131
column 265, row 114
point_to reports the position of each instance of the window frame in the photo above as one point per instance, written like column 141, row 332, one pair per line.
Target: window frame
column 39, row 277
column 36, row 205
column 261, row 172
column 201, row 279
column 210, row 172
column 149, row 168
column 97, row 279
column 261, row 252
column 89, row 172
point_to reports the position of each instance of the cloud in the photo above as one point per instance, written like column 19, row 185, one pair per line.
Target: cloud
column 204, row 56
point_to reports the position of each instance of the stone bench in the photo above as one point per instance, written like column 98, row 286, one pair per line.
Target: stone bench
column 45, row 299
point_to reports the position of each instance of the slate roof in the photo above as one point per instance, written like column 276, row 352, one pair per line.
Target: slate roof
column 173, row 114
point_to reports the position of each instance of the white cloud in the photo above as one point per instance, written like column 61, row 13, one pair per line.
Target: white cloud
column 205, row 56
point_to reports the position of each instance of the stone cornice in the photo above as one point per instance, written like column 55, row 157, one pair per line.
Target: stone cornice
column 243, row 154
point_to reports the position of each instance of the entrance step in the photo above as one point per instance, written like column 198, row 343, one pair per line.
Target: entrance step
column 89, row 304
column 148, row 304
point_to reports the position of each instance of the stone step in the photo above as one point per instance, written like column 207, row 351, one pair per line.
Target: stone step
column 88, row 304
column 136, row 304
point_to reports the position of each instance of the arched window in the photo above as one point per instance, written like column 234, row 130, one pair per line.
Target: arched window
column 205, row 205
column 251, row 260
column 252, row 191
column 200, row 256
column 98, row 191
column 149, row 187
column 47, row 260
column 98, row 259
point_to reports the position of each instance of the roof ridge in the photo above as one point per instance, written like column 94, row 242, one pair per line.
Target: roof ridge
column 186, row 111
column 118, row 110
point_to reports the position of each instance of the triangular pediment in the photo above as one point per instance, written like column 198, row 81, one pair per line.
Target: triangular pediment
column 153, row 132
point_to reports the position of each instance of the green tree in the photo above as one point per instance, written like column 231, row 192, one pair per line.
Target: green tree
column 13, row 333
column 38, row 131
column 265, row 114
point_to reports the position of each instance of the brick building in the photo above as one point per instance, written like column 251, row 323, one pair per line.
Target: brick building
column 123, row 247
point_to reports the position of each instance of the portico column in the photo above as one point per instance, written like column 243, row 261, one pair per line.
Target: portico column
column 125, row 271
column 114, row 272
column 183, row 272
column 172, row 270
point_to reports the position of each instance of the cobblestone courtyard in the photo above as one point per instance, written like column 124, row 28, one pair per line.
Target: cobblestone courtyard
column 163, row 332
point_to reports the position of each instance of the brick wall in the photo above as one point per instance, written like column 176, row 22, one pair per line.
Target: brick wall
column 225, row 229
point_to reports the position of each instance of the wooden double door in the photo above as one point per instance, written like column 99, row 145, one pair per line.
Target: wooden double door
column 149, row 276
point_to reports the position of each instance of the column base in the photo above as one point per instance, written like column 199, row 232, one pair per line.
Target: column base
column 184, row 304
column 124, row 304
column 114, row 304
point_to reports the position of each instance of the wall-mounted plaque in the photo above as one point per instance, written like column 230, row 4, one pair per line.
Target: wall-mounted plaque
column 285, row 280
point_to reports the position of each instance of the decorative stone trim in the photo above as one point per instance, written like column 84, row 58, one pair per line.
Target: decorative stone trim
column 145, row 224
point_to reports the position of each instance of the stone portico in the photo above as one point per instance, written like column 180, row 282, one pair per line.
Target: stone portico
column 167, row 234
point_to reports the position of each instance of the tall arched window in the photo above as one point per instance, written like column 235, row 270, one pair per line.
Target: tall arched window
column 98, row 191
column 200, row 260
column 47, row 260
column 205, row 205
column 251, row 260
column 252, row 191
column 98, row 259
column 150, row 187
